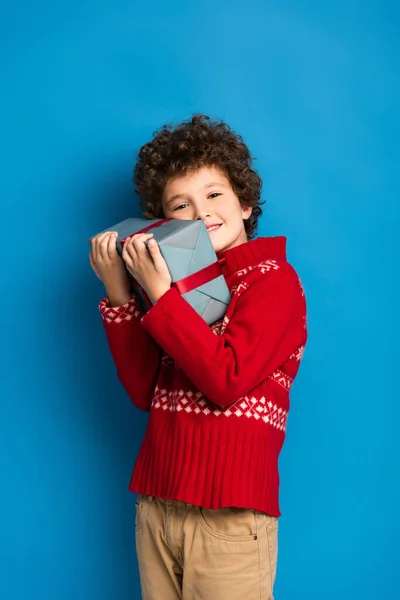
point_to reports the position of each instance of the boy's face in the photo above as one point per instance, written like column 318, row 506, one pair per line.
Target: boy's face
column 206, row 194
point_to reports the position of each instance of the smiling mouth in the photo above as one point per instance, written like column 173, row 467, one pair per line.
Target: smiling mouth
column 212, row 228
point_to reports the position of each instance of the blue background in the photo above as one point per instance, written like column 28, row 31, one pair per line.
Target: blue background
column 314, row 91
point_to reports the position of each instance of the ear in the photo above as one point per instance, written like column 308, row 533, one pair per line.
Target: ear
column 246, row 212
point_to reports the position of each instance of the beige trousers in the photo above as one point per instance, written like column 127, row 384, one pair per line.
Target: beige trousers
column 191, row 553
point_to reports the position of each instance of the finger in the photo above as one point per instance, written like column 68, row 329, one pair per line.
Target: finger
column 156, row 255
column 129, row 251
column 103, row 247
column 96, row 245
column 93, row 244
column 129, row 258
column 135, row 247
column 139, row 243
column 112, row 244
column 145, row 236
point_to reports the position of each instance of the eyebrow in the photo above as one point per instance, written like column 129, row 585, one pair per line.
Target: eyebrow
column 179, row 196
column 214, row 183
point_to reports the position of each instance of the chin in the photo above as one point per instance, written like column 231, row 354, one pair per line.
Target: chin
column 222, row 245
column 218, row 246
column 221, row 248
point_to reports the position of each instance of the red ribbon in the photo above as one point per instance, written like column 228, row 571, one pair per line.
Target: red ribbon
column 191, row 282
column 146, row 229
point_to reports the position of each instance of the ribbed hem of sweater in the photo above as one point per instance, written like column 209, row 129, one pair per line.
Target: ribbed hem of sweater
column 210, row 467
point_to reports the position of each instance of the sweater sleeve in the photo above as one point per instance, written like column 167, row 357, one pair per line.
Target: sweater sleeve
column 136, row 355
column 265, row 328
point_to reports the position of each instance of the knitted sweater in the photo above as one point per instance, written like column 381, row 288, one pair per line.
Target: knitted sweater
column 218, row 396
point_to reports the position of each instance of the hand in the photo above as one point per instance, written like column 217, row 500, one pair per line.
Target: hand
column 109, row 267
column 147, row 266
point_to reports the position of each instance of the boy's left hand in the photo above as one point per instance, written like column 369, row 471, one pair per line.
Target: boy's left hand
column 147, row 266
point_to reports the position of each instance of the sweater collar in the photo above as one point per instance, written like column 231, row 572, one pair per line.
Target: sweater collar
column 253, row 252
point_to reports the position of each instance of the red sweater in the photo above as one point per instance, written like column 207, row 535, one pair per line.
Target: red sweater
column 218, row 396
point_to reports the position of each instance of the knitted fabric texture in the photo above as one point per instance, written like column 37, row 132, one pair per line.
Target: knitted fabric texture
column 218, row 396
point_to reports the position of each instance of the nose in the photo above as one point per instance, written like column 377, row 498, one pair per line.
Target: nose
column 201, row 215
column 201, row 209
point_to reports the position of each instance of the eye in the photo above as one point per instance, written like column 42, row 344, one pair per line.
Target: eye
column 180, row 207
column 214, row 195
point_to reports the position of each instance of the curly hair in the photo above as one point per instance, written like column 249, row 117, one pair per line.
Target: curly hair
column 196, row 143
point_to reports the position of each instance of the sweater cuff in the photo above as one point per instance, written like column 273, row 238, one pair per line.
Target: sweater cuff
column 118, row 314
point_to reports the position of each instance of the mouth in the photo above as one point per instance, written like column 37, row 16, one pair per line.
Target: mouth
column 213, row 227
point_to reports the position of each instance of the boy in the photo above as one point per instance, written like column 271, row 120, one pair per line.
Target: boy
column 207, row 473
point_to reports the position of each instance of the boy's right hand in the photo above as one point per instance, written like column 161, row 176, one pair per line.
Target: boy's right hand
column 109, row 267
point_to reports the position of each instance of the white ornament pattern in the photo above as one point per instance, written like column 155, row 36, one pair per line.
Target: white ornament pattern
column 189, row 401
column 119, row 313
column 298, row 355
column 268, row 265
column 282, row 379
column 247, row 407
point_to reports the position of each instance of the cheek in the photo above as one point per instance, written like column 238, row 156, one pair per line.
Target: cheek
column 178, row 215
column 230, row 210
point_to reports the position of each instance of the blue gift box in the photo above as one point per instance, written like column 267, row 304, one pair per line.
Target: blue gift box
column 191, row 259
